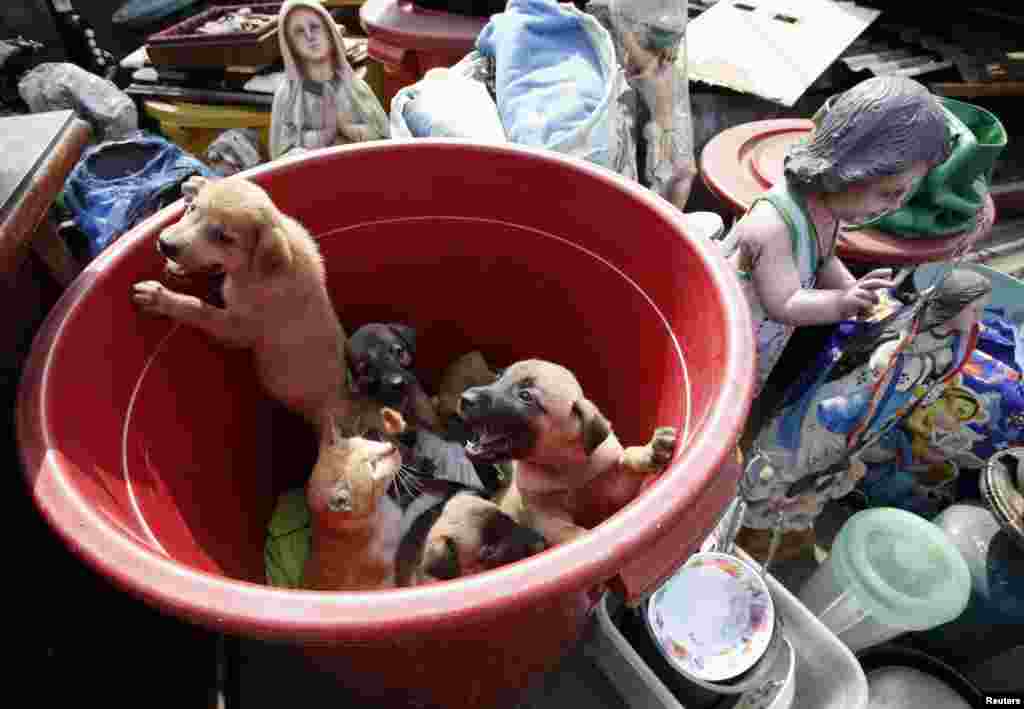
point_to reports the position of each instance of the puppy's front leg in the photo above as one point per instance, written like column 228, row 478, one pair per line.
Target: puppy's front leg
column 156, row 299
column 558, row 531
column 653, row 457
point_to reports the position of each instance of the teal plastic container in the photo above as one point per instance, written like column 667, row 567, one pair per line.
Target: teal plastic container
column 889, row 572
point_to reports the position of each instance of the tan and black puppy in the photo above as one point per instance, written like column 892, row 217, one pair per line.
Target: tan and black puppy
column 451, row 531
column 380, row 356
column 275, row 298
column 571, row 472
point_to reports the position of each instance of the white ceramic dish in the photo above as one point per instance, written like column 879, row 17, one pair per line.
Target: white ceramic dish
column 827, row 675
column 714, row 619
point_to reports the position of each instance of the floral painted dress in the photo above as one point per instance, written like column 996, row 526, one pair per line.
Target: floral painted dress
column 837, row 415
column 771, row 336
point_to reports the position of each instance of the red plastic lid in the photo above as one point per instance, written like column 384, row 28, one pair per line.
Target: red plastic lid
column 401, row 24
column 741, row 162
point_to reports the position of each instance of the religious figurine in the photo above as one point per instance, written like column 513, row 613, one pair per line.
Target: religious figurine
column 321, row 101
column 869, row 148
column 648, row 36
column 815, row 448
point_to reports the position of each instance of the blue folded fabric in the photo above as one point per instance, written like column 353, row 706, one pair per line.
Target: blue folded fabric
column 549, row 79
column 104, row 207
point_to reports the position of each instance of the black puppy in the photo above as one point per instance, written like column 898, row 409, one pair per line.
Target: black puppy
column 381, row 356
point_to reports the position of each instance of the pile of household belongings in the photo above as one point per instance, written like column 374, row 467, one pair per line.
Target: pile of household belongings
column 543, row 74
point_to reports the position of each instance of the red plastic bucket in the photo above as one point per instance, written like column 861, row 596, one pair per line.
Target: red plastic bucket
column 153, row 454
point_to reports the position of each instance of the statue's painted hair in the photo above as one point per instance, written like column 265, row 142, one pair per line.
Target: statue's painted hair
column 878, row 128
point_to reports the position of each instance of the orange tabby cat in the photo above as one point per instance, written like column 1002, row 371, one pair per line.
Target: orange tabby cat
column 355, row 524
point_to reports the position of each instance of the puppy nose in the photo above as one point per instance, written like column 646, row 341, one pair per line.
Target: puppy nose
column 168, row 250
column 396, row 381
column 473, row 400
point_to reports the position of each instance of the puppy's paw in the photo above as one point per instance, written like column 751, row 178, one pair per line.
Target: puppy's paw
column 150, row 296
column 662, row 445
column 653, row 457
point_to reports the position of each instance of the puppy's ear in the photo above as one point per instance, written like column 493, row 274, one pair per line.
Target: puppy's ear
column 593, row 425
column 441, row 559
column 270, row 251
column 393, row 423
column 190, row 188
column 407, row 335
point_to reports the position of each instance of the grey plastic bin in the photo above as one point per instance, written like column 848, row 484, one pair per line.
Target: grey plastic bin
column 828, row 675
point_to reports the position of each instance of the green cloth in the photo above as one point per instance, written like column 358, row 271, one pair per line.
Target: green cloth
column 289, row 537
column 949, row 197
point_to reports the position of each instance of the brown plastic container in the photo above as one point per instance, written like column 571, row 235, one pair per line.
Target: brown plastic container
column 183, row 46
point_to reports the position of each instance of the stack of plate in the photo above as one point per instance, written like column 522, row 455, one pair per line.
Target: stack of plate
column 715, row 623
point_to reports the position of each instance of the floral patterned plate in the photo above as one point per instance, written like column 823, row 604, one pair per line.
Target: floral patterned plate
column 714, row 618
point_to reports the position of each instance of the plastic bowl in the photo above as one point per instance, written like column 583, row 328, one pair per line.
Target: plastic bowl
column 153, row 454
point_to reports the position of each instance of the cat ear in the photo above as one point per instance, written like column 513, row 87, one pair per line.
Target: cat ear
column 328, row 426
column 393, row 421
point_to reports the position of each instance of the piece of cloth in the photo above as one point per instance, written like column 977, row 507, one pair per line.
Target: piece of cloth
column 299, row 117
column 557, row 81
column 289, row 538
column 444, row 460
column 235, row 150
column 445, row 104
column 118, row 183
column 770, row 335
column 950, row 197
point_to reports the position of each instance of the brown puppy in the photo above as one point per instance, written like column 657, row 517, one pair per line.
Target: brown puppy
column 450, row 532
column 355, row 524
column 469, row 370
column 381, row 356
column 274, row 292
column 571, row 472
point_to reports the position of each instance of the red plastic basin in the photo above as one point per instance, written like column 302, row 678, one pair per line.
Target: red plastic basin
column 153, row 454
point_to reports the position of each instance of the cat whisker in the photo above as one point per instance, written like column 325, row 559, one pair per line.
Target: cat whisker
column 400, row 484
column 411, row 477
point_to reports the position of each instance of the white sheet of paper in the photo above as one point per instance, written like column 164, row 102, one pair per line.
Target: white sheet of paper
column 774, row 49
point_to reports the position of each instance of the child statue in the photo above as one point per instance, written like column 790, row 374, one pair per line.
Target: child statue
column 814, row 445
column 869, row 148
column 321, row 102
